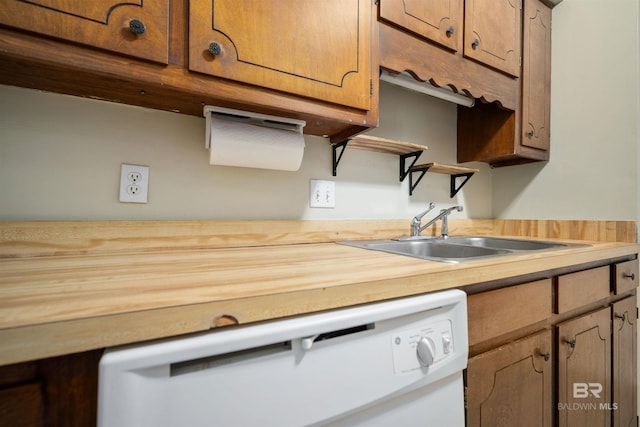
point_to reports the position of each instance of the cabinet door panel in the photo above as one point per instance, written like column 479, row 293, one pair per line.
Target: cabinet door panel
column 512, row 385
column 328, row 59
column 104, row 24
column 492, row 33
column 21, row 406
column 536, row 75
column 584, row 370
column 437, row 20
column 625, row 362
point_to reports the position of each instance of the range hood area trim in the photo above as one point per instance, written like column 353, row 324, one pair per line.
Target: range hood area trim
column 407, row 81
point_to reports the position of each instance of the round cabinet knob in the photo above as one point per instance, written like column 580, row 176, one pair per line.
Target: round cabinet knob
column 425, row 351
column 475, row 43
column 450, row 31
column 137, row 27
column 530, row 133
column 215, row 49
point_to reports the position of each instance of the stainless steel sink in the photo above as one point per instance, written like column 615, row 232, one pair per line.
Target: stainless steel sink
column 458, row 249
column 433, row 249
column 502, row 243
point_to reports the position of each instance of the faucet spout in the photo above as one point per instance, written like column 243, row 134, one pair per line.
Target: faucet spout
column 444, row 214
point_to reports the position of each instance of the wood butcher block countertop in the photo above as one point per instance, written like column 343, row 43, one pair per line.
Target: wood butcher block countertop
column 53, row 304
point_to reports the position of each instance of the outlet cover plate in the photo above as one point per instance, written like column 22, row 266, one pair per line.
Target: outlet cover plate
column 322, row 194
column 134, row 183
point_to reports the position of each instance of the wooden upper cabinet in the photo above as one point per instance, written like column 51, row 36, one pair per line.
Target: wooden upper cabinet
column 316, row 49
column 134, row 28
column 437, row 20
column 492, row 33
column 536, row 75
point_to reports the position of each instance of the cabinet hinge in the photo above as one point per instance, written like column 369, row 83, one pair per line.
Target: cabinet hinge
column 636, row 313
column 370, row 88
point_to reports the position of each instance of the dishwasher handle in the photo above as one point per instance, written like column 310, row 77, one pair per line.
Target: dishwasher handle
column 307, row 342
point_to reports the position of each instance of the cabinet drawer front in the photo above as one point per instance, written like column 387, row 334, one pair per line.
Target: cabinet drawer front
column 583, row 287
column 625, row 276
column 498, row 312
column 103, row 24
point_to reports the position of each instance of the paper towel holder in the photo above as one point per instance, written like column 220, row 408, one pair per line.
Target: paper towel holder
column 250, row 118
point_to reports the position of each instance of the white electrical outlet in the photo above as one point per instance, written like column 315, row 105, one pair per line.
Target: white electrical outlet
column 134, row 183
column 322, row 194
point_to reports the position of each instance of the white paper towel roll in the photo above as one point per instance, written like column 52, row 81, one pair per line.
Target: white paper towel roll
column 251, row 140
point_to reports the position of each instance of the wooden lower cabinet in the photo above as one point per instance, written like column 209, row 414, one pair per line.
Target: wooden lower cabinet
column 59, row 391
column 584, row 370
column 579, row 371
column 625, row 362
column 512, row 385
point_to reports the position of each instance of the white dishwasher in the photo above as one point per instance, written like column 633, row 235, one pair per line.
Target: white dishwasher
column 394, row 363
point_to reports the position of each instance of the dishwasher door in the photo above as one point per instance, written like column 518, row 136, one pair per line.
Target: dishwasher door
column 397, row 362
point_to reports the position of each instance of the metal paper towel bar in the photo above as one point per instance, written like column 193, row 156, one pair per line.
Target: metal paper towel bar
column 250, row 118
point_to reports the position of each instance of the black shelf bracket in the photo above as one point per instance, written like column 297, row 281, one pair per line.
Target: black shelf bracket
column 337, row 156
column 422, row 170
column 466, row 176
column 404, row 169
column 412, row 184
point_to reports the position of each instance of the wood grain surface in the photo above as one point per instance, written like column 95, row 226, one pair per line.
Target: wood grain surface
column 46, row 238
column 74, row 286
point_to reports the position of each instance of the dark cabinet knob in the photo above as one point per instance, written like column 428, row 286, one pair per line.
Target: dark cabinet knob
column 475, row 43
column 545, row 355
column 530, row 133
column 450, row 31
column 137, row 27
column 571, row 343
column 214, row 49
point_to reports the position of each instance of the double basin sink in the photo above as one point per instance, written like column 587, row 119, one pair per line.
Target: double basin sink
column 459, row 249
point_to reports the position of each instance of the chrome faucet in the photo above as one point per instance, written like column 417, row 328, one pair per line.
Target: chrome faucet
column 417, row 227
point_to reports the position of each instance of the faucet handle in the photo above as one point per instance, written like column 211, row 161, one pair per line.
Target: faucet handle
column 418, row 217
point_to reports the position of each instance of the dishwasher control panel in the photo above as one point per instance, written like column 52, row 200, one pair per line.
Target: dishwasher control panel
column 422, row 347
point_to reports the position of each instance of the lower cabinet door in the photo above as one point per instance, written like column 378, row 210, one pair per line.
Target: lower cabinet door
column 584, row 370
column 625, row 362
column 512, row 385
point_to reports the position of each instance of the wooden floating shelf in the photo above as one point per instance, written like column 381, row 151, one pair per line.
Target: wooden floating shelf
column 383, row 145
column 453, row 170
column 406, row 150
column 445, row 169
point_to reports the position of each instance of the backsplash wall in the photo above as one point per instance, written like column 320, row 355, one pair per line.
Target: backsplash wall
column 60, row 159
